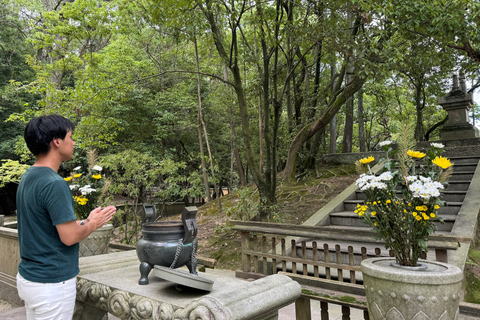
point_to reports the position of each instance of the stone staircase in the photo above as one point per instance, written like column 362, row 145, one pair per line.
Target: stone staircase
column 462, row 204
column 453, row 196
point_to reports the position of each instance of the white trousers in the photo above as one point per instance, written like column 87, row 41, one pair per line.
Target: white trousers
column 47, row 301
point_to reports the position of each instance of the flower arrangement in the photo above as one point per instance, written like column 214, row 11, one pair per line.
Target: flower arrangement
column 403, row 201
column 86, row 190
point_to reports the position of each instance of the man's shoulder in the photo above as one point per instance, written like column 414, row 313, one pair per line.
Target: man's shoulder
column 44, row 172
column 41, row 177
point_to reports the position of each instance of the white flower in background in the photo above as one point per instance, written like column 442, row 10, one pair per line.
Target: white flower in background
column 437, row 145
column 77, row 168
column 412, row 178
column 97, row 168
column 87, row 189
column 386, row 176
column 73, row 186
column 385, row 143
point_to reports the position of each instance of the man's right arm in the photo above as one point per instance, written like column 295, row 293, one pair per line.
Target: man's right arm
column 71, row 232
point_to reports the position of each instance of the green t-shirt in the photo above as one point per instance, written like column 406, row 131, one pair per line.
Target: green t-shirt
column 44, row 201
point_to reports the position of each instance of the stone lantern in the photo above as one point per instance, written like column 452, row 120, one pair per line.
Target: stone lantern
column 457, row 103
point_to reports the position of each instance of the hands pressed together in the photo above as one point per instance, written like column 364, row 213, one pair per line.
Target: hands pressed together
column 98, row 217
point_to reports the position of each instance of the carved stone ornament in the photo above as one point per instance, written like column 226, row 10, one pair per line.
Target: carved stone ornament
column 126, row 305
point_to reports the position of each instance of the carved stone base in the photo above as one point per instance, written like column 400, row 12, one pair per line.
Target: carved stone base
column 118, row 292
column 395, row 293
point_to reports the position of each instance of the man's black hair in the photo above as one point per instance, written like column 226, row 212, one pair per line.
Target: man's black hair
column 42, row 130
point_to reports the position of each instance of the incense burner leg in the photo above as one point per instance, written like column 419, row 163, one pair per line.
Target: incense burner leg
column 145, row 269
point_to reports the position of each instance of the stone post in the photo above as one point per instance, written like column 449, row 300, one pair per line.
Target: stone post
column 457, row 103
column 2, row 220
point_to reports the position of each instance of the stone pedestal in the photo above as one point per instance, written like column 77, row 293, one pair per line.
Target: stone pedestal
column 117, row 291
column 457, row 103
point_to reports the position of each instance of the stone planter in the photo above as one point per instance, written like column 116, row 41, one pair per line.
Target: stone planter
column 97, row 242
column 402, row 293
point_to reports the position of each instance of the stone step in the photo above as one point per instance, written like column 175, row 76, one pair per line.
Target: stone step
column 449, row 196
column 462, row 176
column 464, row 167
column 450, row 207
column 458, row 185
column 464, row 160
column 351, row 219
column 366, row 228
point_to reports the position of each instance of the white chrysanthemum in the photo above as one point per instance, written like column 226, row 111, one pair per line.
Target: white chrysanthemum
column 385, row 143
column 73, row 186
column 386, row 176
column 412, row 178
column 437, row 145
column 97, row 168
column 425, row 179
column 87, row 189
column 77, row 168
column 364, row 179
column 425, row 188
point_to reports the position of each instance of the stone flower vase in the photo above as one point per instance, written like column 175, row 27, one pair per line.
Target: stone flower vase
column 97, row 242
column 412, row 293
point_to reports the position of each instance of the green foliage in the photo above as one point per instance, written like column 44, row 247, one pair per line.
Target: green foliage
column 11, row 171
column 248, row 206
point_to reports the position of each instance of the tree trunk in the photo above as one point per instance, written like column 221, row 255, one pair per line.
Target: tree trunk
column 348, row 129
column 199, row 130
column 200, row 117
column 361, row 126
column 333, row 122
column 242, row 103
column 419, row 129
column 310, row 129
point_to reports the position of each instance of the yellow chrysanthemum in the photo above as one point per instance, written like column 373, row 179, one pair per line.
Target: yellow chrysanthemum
column 82, row 200
column 432, row 215
column 418, row 218
column 421, row 208
column 77, row 175
column 68, row 178
column 97, row 176
column 436, row 207
column 388, row 201
column 360, row 214
column 367, row 160
column 374, row 213
column 442, row 162
column 416, row 154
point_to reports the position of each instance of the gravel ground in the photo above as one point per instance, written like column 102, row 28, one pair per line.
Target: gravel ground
column 4, row 305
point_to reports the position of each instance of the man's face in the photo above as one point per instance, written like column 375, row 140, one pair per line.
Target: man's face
column 66, row 147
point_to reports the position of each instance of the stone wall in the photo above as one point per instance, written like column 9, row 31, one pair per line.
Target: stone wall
column 9, row 251
column 350, row 158
column 9, row 260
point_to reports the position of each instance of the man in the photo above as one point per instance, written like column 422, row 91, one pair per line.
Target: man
column 48, row 232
